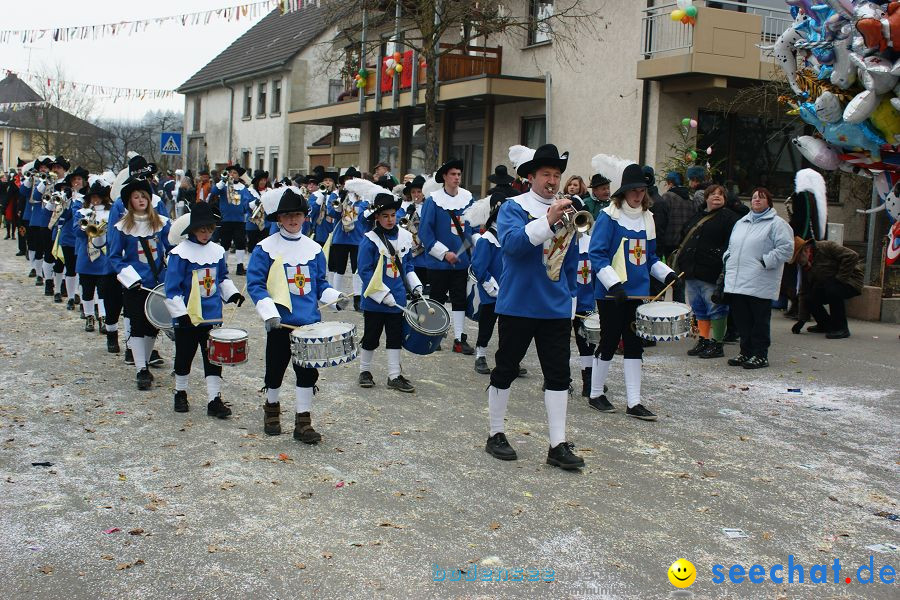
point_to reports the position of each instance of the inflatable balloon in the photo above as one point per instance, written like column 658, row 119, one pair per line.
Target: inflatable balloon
column 677, row 15
column 691, row 11
column 686, row 122
column 817, row 152
column 693, row 124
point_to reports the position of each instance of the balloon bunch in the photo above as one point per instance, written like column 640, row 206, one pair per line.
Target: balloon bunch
column 393, row 64
column 361, row 77
column 686, row 12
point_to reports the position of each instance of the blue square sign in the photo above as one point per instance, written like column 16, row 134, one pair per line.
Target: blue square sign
column 170, row 142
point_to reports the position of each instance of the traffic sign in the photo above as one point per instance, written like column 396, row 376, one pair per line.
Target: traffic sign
column 170, row 142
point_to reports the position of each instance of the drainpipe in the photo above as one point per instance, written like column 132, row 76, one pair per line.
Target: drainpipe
column 645, row 111
column 548, row 105
column 230, row 117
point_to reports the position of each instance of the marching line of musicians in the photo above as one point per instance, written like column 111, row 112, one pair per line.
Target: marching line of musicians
column 531, row 264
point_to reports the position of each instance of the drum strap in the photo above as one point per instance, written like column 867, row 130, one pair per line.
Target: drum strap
column 150, row 260
column 396, row 258
column 460, row 231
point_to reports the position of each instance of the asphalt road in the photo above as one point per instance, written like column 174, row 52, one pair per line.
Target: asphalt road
column 141, row 502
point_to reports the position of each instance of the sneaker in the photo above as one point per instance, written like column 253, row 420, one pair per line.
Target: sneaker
column 89, row 324
column 756, row 362
column 48, row 289
column 129, row 357
column 39, row 281
column 303, row 429
column 738, row 361
column 461, row 346
column 144, row 379
column 112, row 343
column 155, row 359
column 241, row 270
column 838, row 335
column 272, row 418
column 101, row 325
column 699, row 347
column 713, row 350
column 57, row 298
column 70, row 304
column 562, row 456
column 481, row 366
column 217, row 408
column 498, row 447
column 181, row 401
column 365, row 380
column 77, row 299
column 601, row 403
column 586, row 382
column 31, row 273
column 401, row 384
column 639, row 411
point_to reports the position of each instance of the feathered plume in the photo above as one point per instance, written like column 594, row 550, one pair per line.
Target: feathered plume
column 178, row 229
column 519, row 155
column 477, row 214
column 364, row 188
column 808, row 180
column 611, row 167
column 430, row 186
column 398, row 190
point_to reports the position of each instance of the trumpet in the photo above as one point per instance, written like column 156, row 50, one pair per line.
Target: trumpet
column 87, row 218
column 258, row 217
column 580, row 221
column 234, row 197
column 335, row 205
column 95, row 229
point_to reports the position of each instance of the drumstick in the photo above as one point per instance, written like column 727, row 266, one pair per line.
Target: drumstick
column 153, row 291
column 632, row 297
column 657, row 297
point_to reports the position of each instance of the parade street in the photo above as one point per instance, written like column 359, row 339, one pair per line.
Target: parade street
column 105, row 492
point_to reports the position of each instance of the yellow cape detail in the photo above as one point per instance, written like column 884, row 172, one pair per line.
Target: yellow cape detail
column 194, row 308
column 276, row 284
column 377, row 283
column 618, row 262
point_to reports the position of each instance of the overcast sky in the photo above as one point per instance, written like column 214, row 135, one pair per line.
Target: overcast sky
column 162, row 57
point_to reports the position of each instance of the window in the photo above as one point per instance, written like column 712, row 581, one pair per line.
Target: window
column 540, row 12
column 276, row 97
column 260, row 158
column 335, row 89
column 273, row 163
column 245, row 158
column 534, row 131
column 261, row 100
column 196, row 121
column 417, row 148
column 26, row 140
column 389, row 146
column 248, row 100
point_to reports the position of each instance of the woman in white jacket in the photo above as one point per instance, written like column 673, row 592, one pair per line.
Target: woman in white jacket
column 761, row 242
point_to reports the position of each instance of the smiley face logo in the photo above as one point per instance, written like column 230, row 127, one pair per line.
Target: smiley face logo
column 682, row 573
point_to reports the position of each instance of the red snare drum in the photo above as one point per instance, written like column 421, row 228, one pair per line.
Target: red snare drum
column 227, row 346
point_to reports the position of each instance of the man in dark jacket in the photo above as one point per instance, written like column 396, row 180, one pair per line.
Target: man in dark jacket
column 598, row 195
column 829, row 274
column 502, row 181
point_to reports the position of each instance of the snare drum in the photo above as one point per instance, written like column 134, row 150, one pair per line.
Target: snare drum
column 227, row 346
column 324, row 344
column 590, row 328
column 422, row 331
column 663, row 321
column 156, row 312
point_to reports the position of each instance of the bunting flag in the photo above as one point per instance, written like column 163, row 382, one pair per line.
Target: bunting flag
column 618, row 262
column 45, row 84
column 248, row 10
column 276, row 284
column 376, row 284
column 194, row 307
column 14, row 106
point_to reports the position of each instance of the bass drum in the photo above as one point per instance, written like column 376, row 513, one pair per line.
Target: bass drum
column 425, row 325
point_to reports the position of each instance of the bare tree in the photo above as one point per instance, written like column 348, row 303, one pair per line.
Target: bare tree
column 424, row 24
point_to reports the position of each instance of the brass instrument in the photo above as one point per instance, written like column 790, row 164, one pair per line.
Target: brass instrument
column 90, row 224
column 258, row 216
column 335, row 205
column 410, row 222
column 234, row 196
column 348, row 214
column 60, row 201
column 573, row 222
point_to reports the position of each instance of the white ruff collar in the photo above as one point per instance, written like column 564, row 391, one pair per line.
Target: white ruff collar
column 142, row 227
column 200, row 254
column 461, row 200
column 533, row 204
column 490, row 237
column 584, row 243
column 632, row 224
column 292, row 252
column 254, row 193
column 403, row 244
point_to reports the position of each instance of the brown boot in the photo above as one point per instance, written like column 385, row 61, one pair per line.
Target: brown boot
column 303, row 429
column 272, row 420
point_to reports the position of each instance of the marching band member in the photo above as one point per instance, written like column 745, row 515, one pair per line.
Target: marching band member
column 233, row 208
column 258, row 185
column 137, row 247
column 31, row 213
column 623, row 257
column 349, row 227
column 138, row 168
column 52, row 276
column 535, row 299
column 196, row 284
column 321, row 222
column 584, row 304
column 487, row 267
column 447, row 241
column 413, row 213
column 285, row 278
column 98, row 279
column 75, row 182
column 386, row 282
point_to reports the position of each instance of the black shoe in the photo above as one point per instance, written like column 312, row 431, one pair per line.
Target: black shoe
column 181, row 401
column 129, row 357
column 144, row 379
column 57, row 298
column 365, row 380
column 272, row 418
column 640, row 412
column 101, row 325
column 39, row 281
column 218, row 409
column 303, row 429
column 839, row 334
column 155, row 359
column 31, row 273
column 756, row 362
column 498, row 447
column 648, row 343
column 401, row 384
column 601, row 403
column 738, row 361
column 713, row 349
column 481, row 366
column 70, row 305
column 586, row 382
column 112, row 342
column 76, row 299
column 20, row 253
column 817, row 328
column 793, row 311
column 48, row 290
column 461, row 346
column 356, row 300
column 699, row 347
column 241, row 270
column 89, row 324
column 562, row 456
column 731, row 337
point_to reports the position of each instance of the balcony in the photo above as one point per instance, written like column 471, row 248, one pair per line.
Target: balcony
column 723, row 44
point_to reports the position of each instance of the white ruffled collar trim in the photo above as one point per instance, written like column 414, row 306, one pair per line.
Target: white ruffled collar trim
column 292, row 252
column 533, row 204
column 643, row 222
column 489, row 236
column 461, row 200
column 142, row 227
column 201, row 254
column 403, row 244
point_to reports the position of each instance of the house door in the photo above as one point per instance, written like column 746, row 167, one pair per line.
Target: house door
column 467, row 143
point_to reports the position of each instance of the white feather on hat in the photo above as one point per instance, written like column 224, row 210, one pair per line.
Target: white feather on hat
column 809, row 180
column 364, row 188
column 178, row 228
column 519, row 155
column 611, row 167
column 272, row 198
column 430, row 186
column 477, row 214
column 398, row 190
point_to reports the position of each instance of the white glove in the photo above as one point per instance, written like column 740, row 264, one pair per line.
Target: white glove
column 389, row 300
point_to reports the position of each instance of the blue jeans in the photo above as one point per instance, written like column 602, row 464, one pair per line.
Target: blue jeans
column 699, row 295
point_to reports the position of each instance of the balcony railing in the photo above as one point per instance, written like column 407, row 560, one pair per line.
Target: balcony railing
column 661, row 36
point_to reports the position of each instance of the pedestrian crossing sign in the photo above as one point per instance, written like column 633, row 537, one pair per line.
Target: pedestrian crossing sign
column 170, row 142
